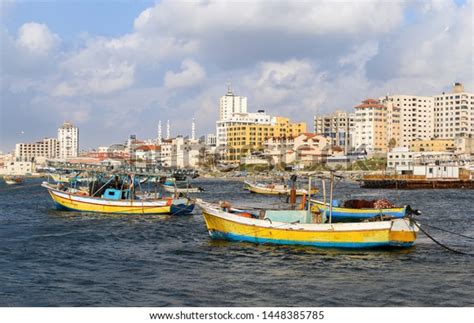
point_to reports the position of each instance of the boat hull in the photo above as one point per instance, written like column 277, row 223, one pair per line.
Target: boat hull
column 275, row 191
column 341, row 213
column 172, row 189
column 73, row 202
column 227, row 226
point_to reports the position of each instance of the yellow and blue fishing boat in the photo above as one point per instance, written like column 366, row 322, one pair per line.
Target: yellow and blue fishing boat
column 116, row 201
column 301, row 227
column 340, row 213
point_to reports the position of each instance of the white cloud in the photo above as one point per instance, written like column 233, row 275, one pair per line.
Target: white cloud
column 191, row 74
column 104, row 79
column 293, row 59
column 202, row 17
column 37, row 38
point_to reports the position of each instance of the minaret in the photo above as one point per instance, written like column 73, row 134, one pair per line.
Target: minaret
column 193, row 130
column 168, row 129
column 159, row 132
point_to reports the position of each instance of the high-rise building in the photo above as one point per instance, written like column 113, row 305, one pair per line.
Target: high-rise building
column 377, row 126
column 337, row 127
column 68, row 141
column 454, row 113
column 416, row 118
column 230, row 104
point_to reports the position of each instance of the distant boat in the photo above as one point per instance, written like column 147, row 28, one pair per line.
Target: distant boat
column 172, row 185
column 13, row 180
column 274, row 189
column 301, row 227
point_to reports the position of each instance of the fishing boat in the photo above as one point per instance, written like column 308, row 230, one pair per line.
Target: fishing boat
column 115, row 195
column 274, row 189
column 359, row 209
column 13, row 180
column 302, row 227
column 173, row 186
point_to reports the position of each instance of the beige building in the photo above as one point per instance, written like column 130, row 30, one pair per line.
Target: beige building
column 337, row 127
column 242, row 139
column 416, row 118
column 46, row 149
column 377, row 126
column 304, row 149
column 454, row 113
column 432, row 145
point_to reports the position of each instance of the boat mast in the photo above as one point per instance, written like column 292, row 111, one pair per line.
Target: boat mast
column 331, row 196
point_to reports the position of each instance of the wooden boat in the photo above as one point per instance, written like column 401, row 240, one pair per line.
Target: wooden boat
column 173, row 186
column 112, row 201
column 13, row 180
column 301, row 227
column 274, row 189
column 172, row 189
column 350, row 213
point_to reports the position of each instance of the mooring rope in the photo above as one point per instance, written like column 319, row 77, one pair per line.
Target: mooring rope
column 437, row 242
column 448, row 231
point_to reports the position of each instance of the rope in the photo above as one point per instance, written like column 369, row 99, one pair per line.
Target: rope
column 439, row 243
column 452, row 232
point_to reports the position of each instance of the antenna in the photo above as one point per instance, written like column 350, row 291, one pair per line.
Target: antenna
column 193, row 130
column 167, row 129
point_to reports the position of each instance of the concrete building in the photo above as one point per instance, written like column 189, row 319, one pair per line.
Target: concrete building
column 432, row 145
column 243, row 138
column 68, row 141
column 464, row 144
column 48, row 148
column 377, row 126
column 230, row 104
column 302, row 150
column 416, row 118
column 337, row 127
column 181, row 152
column 15, row 167
column 240, row 119
column 454, row 113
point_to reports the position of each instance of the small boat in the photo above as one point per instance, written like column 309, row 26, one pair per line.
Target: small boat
column 359, row 209
column 274, row 189
column 121, row 201
column 172, row 185
column 13, row 180
column 302, row 227
column 172, row 189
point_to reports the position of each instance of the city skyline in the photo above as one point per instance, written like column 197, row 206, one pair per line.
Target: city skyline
column 116, row 81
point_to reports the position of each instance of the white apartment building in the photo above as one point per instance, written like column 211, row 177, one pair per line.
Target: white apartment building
column 230, row 104
column 377, row 124
column 68, row 141
column 416, row 118
column 454, row 113
column 180, row 152
column 337, row 127
column 46, row 149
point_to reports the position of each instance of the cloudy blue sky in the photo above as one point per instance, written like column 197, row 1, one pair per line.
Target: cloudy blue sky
column 115, row 68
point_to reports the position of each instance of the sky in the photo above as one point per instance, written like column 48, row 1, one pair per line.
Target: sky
column 116, row 68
